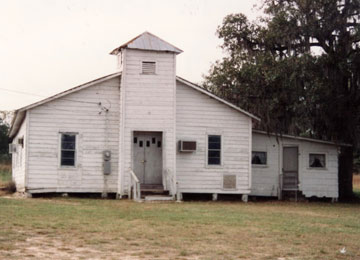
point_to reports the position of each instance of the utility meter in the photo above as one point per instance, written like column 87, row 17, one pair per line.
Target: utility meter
column 107, row 162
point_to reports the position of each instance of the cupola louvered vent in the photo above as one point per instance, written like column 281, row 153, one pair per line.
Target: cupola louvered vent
column 148, row 67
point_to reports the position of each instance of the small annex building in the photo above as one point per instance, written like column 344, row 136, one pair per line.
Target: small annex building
column 145, row 128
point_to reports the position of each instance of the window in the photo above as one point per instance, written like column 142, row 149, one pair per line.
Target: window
column 259, row 158
column 68, row 149
column 214, row 150
column 317, row 160
column 148, row 67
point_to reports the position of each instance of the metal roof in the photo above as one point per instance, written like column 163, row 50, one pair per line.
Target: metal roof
column 147, row 41
column 308, row 139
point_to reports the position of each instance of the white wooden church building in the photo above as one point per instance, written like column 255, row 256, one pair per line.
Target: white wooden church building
column 145, row 128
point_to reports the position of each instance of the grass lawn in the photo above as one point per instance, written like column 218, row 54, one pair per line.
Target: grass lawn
column 73, row 228
column 5, row 173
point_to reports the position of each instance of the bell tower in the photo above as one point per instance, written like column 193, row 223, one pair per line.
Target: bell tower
column 147, row 98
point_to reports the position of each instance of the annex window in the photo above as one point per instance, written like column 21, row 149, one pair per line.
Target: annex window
column 148, row 67
column 259, row 158
column 317, row 160
column 68, row 149
column 214, row 150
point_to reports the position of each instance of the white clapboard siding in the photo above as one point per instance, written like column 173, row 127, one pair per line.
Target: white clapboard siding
column 312, row 182
column 19, row 158
column 198, row 115
column 96, row 132
column 265, row 179
column 148, row 104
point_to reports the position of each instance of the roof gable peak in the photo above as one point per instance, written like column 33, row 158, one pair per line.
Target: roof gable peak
column 147, row 41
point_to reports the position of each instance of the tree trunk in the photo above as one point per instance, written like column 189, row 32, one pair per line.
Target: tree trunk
column 346, row 173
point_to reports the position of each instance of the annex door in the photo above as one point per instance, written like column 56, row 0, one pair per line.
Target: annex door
column 290, row 168
column 147, row 157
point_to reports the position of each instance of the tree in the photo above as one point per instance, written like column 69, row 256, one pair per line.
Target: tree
column 298, row 68
column 4, row 147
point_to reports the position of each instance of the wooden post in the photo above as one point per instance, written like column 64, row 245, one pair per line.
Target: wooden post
column 138, row 195
column 178, row 193
column 245, row 198
column 214, row 196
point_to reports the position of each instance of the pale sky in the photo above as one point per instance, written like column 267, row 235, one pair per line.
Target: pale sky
column 48, row 46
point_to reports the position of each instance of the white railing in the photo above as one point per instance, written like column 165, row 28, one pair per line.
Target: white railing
column 169, row 182
column 134, row 186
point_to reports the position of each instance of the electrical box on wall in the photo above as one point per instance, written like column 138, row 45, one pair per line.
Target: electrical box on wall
column 107, row 162
column 12, row 148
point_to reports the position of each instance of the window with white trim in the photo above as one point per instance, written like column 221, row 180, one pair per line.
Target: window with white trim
column 214, row 150
column 68, row 149
column 317, row 160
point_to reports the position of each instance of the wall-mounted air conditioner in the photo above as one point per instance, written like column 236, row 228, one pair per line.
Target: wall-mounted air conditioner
column 187, row 146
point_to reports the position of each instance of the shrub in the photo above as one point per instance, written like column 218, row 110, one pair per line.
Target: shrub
column 10, row 187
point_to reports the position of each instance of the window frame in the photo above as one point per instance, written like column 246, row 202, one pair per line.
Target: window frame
column 75, row 150
column 325, row 161
column 221, row 151
column 266, row 158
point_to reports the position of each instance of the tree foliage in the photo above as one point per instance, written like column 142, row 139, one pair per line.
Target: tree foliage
column 4, row 147
column 298, row 67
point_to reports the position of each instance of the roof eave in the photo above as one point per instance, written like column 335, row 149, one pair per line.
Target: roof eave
column 14, row 128
column 200, row 89
column 17, row 121
column 301, row 138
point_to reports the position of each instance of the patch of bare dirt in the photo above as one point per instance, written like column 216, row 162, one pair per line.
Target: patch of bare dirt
column 44, row 247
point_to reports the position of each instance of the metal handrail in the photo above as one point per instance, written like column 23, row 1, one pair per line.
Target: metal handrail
column 134, row 186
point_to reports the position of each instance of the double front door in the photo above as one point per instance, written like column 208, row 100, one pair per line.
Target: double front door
column 147, row 157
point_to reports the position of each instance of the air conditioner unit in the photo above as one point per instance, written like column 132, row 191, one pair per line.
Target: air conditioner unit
column 187, row 146
column 12, row 148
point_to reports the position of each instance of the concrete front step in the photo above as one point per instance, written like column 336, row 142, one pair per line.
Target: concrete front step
column 159, row 198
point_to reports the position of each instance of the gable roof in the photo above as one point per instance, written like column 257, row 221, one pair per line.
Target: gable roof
column 19, row 114
column 202, row 90
column 147, row 41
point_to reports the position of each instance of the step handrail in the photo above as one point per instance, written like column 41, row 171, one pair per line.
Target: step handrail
column 134, row 186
